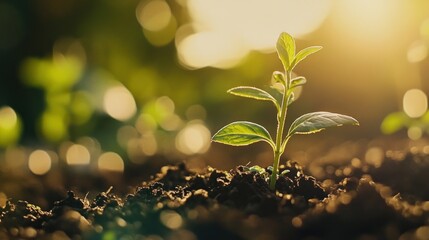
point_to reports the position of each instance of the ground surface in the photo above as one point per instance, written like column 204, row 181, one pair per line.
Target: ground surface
column 386, row 199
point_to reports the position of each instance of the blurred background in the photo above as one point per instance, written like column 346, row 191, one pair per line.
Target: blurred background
column 104, row 93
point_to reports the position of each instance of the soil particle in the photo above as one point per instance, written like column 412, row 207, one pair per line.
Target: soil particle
column 237, row 204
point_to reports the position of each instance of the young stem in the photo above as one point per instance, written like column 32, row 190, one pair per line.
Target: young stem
column 278, row 151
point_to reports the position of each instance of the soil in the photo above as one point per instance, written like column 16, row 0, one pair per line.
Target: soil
column 387, row 200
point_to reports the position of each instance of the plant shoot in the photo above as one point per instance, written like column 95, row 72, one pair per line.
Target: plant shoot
column 244, row 133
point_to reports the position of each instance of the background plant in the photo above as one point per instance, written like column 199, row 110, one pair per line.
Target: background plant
column 242, row 133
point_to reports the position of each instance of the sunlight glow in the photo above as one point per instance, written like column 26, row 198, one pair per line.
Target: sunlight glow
column 225, row 31
column 39, row 162
column 365, row 18
column 77, row 155
column 119, row 103
column 415, row 103
column 194, row 138
column 110, row 161
column 210, row 48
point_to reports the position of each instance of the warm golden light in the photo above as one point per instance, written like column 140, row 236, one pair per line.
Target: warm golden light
column 77, row 155
column 415, row 103
column 10, row 126
column 119, row 103
column 414, row 133
column 158, row 23
column 368, row 20
column 225, row 31
column 194, row 138
column 110, row 161
column 171, row 122
column 148, row 144
column 374, row 156
column 39, row 162
column 153, row 15
column 417, row 52
column 210, row 48
column 171, row 219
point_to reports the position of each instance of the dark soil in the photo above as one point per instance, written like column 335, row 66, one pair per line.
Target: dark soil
column 387, row 201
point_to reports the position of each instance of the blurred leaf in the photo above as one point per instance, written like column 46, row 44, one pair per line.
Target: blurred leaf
column 255, row 93
column 242, row 133
column 394, row 122
column 425, row 118
column 301, row 55
column 318, row 121
column 10, row 127
column 53, row 125
column 286, row 50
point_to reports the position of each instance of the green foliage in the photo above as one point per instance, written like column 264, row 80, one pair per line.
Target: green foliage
column 242, row 133
column 318, row 121
column 396, row 121
column 245, row 133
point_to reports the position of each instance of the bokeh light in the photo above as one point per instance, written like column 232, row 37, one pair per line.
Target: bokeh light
column 207, row 48
column 149, row 145
column 153, row 15
column 119, row 103
column 110, row 161
column 158, row 23
column 415, row 103
column 39, row 162
column 78, row 155
column 417, row 52
column 226, row 31
column 10, row 126
column 194, row 138
column 374, row 156
column 171, row 219
column 414, row 132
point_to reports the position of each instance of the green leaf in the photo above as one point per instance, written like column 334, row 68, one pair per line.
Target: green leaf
column 286, row 50
column 298, row 81
column 279, row 77
column 301, row 55
column 394, row 122
column 242, row 133
column 255, row 93
column 317, row 121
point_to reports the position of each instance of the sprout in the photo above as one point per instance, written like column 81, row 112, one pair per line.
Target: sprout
column 243, row 133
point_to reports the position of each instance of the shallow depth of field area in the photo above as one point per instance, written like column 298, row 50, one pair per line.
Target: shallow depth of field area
column 108, row 109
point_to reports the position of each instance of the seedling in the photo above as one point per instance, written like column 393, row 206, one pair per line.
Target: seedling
column 243, row 133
